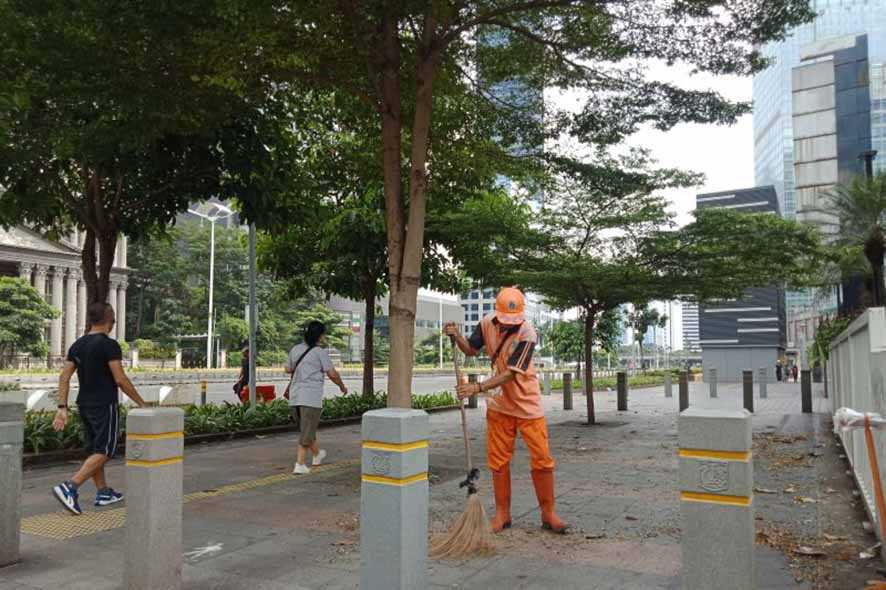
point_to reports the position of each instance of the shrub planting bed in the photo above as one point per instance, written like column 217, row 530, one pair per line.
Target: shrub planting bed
column 226, row 419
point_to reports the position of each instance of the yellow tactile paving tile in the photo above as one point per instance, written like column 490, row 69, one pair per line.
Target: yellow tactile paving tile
column 63, row 525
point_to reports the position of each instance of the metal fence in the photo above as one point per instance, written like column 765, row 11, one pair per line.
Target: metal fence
column 856, row 375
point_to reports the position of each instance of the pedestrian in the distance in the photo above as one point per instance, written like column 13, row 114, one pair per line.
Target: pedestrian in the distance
column 242, row 383
column 97, row 360
column 778, row 372
column 309, row 364
column 795, row 371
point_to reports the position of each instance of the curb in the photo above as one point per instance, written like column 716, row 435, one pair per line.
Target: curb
column 51, row 458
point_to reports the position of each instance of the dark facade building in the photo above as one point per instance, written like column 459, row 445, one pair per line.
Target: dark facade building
column 747, row 333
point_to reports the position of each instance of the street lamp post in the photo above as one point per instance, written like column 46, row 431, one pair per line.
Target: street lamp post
column 440, row 343
column 221, row 212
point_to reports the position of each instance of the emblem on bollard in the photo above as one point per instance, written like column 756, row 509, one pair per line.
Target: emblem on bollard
column 713, row 476
column 136, row 448
column 381, row 463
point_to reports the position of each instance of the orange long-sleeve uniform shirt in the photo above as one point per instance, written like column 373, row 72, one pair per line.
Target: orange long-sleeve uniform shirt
column 517, row 406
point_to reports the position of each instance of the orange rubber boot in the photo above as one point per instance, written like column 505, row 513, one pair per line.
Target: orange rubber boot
column 544, row 491
column 501, row 483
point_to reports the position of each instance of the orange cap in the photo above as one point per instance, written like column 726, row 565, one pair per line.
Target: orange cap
column 509, row 306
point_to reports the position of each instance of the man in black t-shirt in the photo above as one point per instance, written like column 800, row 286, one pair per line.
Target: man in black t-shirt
column 97, row 360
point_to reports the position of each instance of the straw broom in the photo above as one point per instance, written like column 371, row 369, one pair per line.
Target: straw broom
column 470, row 534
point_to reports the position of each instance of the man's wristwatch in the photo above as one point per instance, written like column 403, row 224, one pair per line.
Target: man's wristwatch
column 63, row 406
column 479, row 387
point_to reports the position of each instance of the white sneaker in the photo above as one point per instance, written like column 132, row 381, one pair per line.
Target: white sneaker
column 300, row 470
column 318, row 460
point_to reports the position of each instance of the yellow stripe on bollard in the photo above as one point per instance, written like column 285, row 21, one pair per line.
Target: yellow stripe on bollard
column 395, row 447
column 393, row 481
column 744, row 456
column 715, row 499
column 158, row 463
column 159, row 436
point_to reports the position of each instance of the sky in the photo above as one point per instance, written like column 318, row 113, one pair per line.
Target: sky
column 725, row 154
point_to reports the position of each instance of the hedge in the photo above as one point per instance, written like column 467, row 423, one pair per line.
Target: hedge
column 40, row 436
column 602, row 383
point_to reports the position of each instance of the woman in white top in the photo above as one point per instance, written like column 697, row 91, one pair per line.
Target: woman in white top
column 310, row 362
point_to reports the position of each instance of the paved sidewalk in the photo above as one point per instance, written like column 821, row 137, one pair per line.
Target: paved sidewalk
column 249, row 524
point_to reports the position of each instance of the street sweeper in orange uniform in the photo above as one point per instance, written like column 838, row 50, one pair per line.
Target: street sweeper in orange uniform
column 513, row 404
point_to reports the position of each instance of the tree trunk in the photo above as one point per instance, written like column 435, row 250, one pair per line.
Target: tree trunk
column 97, row 265
column 369, row 340
column 405, row 240
column 590, row 320
column 642, row 365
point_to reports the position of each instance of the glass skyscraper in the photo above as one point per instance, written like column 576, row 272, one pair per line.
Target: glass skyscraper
column 773, row 130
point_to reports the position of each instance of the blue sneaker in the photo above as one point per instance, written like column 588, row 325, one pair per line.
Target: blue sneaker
column 68, row 497
column 108, row 496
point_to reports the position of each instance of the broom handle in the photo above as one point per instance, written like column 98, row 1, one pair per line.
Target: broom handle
column 461, row 406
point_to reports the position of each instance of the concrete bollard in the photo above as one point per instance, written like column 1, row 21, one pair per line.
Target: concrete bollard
column 567, row 391
column 747, row 383
column 668, row 385
column 716, row 492
column 622, row 384
column 712, row 381
column 763, row 378
column 546, row 382
column 394, row 500
column 472, row 401
column 806, row 390
column 203, row 387
column 684, row 390
column 154, row 450
column 12, row 436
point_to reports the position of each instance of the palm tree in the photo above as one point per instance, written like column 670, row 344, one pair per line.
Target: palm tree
column 860, row 209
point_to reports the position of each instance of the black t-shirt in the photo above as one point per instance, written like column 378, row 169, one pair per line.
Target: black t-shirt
column 91, row 354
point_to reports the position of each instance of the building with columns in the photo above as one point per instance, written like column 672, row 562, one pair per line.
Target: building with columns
column 54, row 270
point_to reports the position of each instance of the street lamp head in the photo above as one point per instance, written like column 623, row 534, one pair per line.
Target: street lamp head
column 215, row 212
column 219, row 211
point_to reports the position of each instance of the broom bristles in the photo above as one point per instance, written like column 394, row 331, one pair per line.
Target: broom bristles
column 469, row 535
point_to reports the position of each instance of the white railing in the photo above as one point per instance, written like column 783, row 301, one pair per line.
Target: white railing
column 857, row 380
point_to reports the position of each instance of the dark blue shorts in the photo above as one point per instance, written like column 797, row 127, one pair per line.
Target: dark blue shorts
column 101, row 428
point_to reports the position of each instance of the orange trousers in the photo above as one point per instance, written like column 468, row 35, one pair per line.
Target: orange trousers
column 501, row 434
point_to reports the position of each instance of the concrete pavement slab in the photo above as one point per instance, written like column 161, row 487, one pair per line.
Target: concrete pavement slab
column 616, row 482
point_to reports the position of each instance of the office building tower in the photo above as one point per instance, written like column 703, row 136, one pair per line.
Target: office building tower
column 772, row 94
column 745, row 333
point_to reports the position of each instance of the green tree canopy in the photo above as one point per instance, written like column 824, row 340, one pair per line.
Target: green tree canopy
column 407, row 61
column 170, row 289
column 117, row 115
column 860, row 227
column 641, row 319
column 23, row 316
column 612, row 241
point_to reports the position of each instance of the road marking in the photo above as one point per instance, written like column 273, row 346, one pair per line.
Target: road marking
column 203, row 551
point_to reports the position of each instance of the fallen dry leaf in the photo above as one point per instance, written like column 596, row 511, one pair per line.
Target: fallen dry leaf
column 765, row 491
column 810, row 551
column 790, row 490
column 805, row 500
